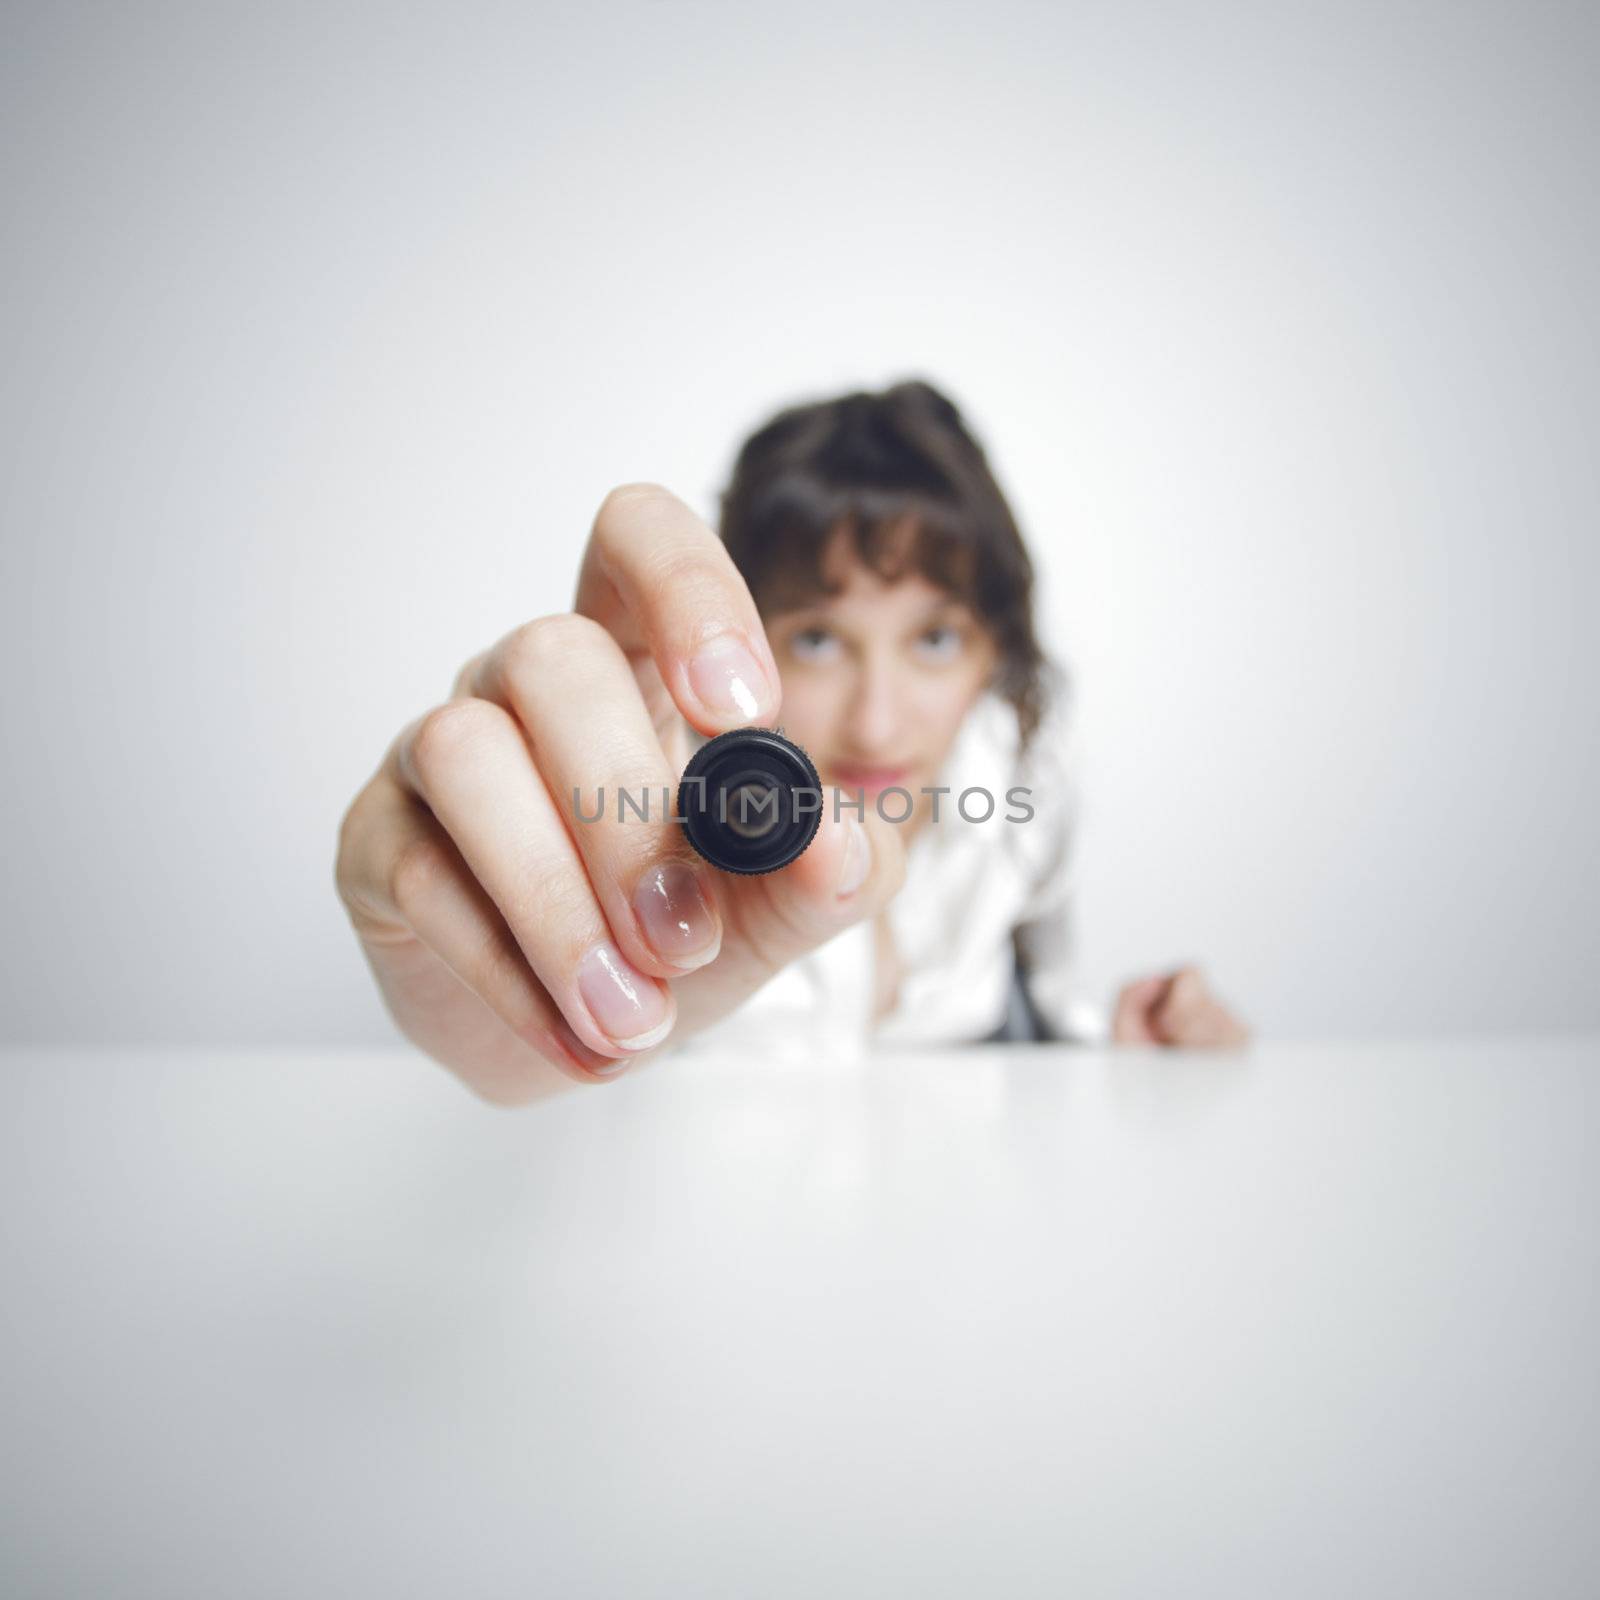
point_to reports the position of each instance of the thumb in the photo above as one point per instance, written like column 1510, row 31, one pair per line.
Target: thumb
column 1134, row 1021
column 851, row 870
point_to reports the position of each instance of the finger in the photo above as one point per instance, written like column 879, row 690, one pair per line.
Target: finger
column 1202, row 1026
column 848, row 873
column 569, row 684
column 1131, row 1021
column 1190, row 1015
column 662, row 583
column 1180, row 1012
column 469, row 763
column 414, row 902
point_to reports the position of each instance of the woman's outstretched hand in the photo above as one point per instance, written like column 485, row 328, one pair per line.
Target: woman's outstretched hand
column 525, row 948
column 1175, row 1008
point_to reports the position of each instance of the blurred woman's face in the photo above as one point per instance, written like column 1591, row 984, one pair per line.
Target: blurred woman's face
column 878, row 678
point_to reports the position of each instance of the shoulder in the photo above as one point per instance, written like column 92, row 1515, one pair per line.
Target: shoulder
column 990, row 749
column 1046, row 780
column 1045, row 766
column 1033, row 785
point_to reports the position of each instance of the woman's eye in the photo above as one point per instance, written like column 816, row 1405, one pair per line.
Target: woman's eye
column 814, row 644
column 942, row 643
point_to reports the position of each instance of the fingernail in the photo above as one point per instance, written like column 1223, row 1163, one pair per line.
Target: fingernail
column 631, row 1009
column 675, row 912
column 580, row 1054
column 857, row 858
column 728, row 679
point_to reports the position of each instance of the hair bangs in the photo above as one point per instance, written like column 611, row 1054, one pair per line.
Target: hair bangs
column 897, row 481
column 804, row 533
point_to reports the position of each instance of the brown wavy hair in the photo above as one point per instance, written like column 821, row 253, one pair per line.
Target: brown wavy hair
column 899, row 473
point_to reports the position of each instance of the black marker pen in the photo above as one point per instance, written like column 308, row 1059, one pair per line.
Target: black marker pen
column 750, row 800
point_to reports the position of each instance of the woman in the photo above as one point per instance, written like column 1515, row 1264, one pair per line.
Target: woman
column 871, row 583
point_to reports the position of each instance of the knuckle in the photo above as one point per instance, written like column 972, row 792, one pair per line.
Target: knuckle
column 345, row 885
column 344, row 855
column 419, row 867
column 351, row 877
column 538, row 647
column 452, row 730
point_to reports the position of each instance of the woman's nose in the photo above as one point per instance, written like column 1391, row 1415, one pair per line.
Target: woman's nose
column 875, row 717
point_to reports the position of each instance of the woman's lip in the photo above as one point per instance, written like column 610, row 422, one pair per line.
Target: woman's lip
column 870, row 778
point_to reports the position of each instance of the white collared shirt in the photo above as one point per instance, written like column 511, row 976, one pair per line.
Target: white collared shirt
column 970, row 880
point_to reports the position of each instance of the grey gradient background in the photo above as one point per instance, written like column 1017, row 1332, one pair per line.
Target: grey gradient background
column 326, row 328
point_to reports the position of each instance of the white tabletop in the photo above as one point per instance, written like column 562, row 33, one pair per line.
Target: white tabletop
column 1311, row 1321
